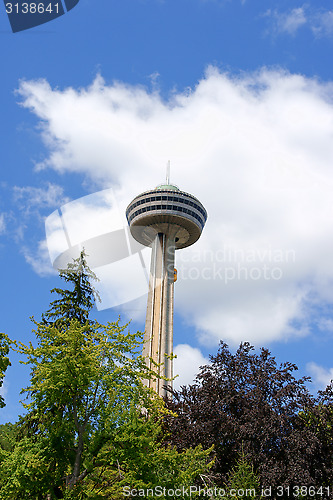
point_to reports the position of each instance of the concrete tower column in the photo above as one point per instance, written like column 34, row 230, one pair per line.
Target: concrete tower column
column 158, row 337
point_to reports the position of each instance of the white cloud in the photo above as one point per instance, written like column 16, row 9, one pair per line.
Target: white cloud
column 4, row 389
column 2, row 223
column 325, row 324
column 33, row 204
column 187, row 364
column 322, row 25
column 289, row 22
column 39, row 259
column 319, row 21
column 257, row 151
column 30, row 197
column 321, row 376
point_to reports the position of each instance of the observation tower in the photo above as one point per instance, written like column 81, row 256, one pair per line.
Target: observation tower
column 165, row 219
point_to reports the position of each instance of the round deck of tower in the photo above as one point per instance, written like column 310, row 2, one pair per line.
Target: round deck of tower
column 166, row 210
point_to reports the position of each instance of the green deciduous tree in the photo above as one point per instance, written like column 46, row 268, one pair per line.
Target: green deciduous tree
column 318, row 419
column 136, row 461
column 24, row 471
column 91, row 426
column 85, row 378
column 8, row 433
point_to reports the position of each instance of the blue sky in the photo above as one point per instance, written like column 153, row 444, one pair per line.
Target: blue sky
column 238, row 95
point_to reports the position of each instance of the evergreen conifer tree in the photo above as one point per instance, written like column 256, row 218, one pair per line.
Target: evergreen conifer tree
column 76, row 303
column 242, row 481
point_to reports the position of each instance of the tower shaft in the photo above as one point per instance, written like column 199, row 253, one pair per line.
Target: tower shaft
column 158, row 337
column 164, row 219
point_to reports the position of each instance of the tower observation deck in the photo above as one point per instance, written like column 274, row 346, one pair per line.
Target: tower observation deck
column 166, row 219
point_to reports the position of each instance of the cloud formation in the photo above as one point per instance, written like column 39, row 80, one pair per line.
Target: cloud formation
column 318, row 21
column 257, row 151
column 39, row 259
column 187, row 364
column 2, row 223
column 4, row 389
column 321, row 376
column 290, row 21
column 322, row 25
column 32, row 198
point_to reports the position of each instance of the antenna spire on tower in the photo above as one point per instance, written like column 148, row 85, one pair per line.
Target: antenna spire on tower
column 168, row 173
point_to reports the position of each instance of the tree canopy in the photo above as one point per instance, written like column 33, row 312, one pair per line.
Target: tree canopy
column 92, row 430
column 91, row 426
column 244, row 401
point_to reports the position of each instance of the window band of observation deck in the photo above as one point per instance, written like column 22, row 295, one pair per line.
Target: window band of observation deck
column 167, row 201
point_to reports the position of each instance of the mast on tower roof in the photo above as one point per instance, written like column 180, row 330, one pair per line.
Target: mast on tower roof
column 167, row 180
